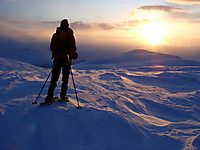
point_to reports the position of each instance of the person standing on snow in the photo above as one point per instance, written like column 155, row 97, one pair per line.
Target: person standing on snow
column 63, row 47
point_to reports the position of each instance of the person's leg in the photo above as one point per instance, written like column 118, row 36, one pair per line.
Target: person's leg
column 54, row 78
column 66, row 72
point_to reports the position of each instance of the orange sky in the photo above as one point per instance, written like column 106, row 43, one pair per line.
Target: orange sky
column 170, row 26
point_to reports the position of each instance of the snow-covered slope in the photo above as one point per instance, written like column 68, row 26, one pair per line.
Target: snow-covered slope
column 124, row 107
column 38, row 57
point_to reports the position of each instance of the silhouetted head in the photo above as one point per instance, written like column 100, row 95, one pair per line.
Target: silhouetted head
column 64, row 23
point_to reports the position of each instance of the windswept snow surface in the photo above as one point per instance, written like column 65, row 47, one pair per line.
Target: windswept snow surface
column 126, row 106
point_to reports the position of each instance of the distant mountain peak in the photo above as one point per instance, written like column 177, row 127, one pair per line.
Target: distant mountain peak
column 147, row 52
column 141, row 57
column 139, row 51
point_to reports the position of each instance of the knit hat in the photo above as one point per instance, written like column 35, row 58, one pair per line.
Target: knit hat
column 64, row 22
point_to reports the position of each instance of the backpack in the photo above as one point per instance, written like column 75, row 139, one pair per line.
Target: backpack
column 63, row 41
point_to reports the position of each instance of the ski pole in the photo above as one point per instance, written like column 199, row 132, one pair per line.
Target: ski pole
column 79, row 107
column 42, row 88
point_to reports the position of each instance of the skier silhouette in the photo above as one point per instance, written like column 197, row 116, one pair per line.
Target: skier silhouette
column 63, row 47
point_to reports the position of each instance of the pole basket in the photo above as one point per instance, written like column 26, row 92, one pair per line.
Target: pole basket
column 79, row 107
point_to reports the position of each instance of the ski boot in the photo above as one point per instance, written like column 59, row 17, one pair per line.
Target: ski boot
column 49, row 99
column 63, row 93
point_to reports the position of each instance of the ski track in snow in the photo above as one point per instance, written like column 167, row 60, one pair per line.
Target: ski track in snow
column 145, row 107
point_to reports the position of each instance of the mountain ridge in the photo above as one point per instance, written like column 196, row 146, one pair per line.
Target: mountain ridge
column 144, row 57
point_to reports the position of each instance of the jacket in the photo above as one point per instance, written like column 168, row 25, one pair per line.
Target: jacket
column 63, row 43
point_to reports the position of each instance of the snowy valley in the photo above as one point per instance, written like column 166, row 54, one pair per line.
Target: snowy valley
column 138, row 100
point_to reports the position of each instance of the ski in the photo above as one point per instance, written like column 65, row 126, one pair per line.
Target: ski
column 64, row 100
column 46, row 104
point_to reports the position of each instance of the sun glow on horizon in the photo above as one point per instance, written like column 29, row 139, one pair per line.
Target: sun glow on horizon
column 153, row 32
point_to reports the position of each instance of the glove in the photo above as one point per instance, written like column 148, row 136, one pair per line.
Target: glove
column 74, row 55
column 55, row 55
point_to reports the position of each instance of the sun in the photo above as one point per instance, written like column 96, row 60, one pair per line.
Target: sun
column 153, row 33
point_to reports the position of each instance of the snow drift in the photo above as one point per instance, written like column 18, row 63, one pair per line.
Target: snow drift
column 126, row 105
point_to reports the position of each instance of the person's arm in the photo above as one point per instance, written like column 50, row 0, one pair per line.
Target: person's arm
column 53, row 43
column 73, row 43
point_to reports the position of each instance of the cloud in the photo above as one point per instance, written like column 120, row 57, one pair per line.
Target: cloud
column 30, row 33
column 188, row 2
column 26, row 30
column 134, row 22
column 183, row 16
column 161, row 8
column 81, row 25
column 26, row 24
column 32, row 30
column 176, row 14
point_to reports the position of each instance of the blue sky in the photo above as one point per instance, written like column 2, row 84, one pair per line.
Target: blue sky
column 170, row 26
